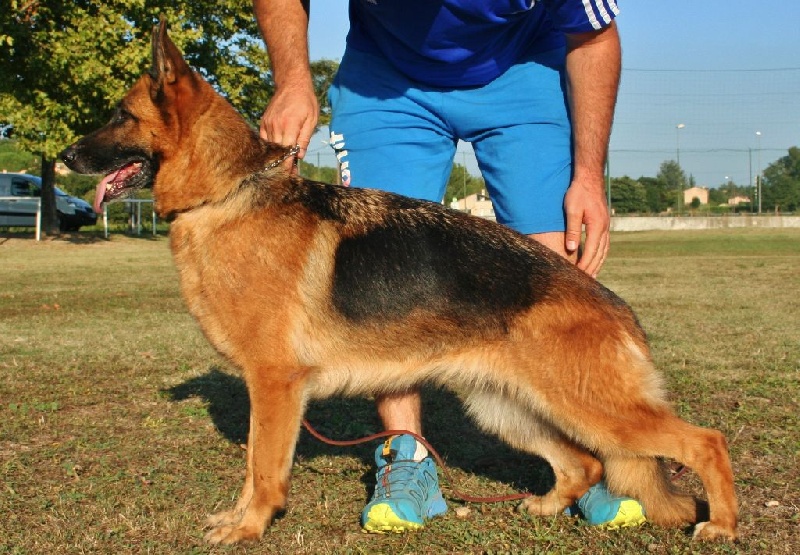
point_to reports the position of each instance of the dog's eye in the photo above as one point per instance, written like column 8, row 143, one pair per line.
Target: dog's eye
column 121, row 115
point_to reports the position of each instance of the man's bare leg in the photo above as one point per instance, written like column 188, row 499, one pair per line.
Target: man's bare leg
column 407, row 487
column 401, row 411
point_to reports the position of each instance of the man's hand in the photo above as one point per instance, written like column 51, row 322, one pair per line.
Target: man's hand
column 291, row 117
column 585, row 204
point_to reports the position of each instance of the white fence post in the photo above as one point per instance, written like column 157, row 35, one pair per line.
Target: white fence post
column 135, row 222
column 38, row 219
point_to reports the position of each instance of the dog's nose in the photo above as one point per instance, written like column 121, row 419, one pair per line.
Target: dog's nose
column 68, row 155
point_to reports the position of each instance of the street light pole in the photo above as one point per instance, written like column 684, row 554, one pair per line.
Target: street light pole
column 758, row 175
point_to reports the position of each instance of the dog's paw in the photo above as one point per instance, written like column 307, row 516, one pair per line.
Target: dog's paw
column 231, row 534
column 706, row 531
column 223, row 518
column 541, row 505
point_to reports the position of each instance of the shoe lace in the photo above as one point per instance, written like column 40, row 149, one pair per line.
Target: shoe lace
column 405, row 478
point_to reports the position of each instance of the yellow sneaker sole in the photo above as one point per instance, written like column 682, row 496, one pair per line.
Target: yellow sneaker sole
column 630, row 514
column 381, row 519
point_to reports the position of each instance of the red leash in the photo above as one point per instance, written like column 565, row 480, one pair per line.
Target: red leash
column 431, row 450
column 680, row 471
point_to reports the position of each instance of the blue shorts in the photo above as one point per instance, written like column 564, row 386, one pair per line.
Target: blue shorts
column 395, row 134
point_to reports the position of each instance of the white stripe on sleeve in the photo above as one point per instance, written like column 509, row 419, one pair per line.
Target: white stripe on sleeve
column 589, row 7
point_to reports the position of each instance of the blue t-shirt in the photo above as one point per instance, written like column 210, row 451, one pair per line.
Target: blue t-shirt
column 462, row 43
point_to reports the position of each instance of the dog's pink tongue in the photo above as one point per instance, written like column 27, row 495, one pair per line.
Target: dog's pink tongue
column 100, row 192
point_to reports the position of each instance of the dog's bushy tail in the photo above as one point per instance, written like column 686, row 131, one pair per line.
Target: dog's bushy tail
column 647, row 480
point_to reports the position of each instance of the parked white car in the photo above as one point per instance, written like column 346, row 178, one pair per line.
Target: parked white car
column 18, row 203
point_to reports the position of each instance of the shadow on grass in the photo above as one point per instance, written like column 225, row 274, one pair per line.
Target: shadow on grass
column 87, row 237
column 453, row 435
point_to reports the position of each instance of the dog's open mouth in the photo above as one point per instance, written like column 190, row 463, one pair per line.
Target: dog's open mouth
column 117, row 183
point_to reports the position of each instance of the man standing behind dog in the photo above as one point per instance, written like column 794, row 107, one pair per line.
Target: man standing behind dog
column 531, row 84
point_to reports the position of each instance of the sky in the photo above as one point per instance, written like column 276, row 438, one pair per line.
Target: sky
column 722, row 70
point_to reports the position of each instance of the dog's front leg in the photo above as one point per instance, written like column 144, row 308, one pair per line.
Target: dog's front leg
column 276, row 406
column 234, row 515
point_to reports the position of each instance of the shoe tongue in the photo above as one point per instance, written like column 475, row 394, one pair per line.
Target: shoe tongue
column 403, row 448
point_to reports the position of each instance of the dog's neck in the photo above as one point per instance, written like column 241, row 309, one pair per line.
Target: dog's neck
column 225, row 152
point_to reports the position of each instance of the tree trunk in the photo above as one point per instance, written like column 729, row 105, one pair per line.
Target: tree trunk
column 50, row 223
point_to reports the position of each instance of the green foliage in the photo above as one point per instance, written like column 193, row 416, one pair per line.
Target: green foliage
column 656, row 194
column 78, row 185
column 628, row 196
column 12, row 159
column 717, row 196
column 317, row 173
column 781, row 185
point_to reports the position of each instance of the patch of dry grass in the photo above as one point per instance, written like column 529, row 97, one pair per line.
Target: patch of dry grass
column 120, row 429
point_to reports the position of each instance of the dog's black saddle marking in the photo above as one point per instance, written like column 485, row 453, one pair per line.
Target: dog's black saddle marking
column 461, row 273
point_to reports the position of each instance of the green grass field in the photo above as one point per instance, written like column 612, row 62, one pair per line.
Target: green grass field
column 120, row 428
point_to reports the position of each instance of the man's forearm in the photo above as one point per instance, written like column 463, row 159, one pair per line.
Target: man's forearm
column 593, row 70
column 284, row 26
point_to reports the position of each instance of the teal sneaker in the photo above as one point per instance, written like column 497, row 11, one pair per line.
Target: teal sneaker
column 602, row 508
column 407, row 490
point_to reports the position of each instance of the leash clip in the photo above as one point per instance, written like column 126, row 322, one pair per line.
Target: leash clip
column 291, row 152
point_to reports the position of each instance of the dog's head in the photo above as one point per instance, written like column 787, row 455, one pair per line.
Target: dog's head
column 145, row 128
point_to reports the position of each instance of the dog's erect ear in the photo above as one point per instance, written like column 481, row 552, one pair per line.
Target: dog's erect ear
column 168, row 62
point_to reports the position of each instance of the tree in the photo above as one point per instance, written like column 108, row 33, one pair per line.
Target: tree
column 65, row 65
column 627, row 196
column 672, row 175
column 674, row 180
column 322, row 73
column 781, row 185
column 461, row 184
column 717, row 196
column 656, row 194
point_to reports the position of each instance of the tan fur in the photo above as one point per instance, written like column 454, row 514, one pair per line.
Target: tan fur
column 569, row 377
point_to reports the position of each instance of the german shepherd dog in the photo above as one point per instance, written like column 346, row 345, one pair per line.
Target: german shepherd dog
column 313, row 289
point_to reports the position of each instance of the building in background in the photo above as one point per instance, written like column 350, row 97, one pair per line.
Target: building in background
column 692, row 193
column 478, row 204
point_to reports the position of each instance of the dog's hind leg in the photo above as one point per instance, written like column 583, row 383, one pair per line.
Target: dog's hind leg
column 640, row 475
column 647, row 480
column 575, row 469
column 277, row 399
column 629, row 426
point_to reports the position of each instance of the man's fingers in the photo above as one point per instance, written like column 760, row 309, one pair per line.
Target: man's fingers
column 594, row 252
column 572, row 237
column 304, row 140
